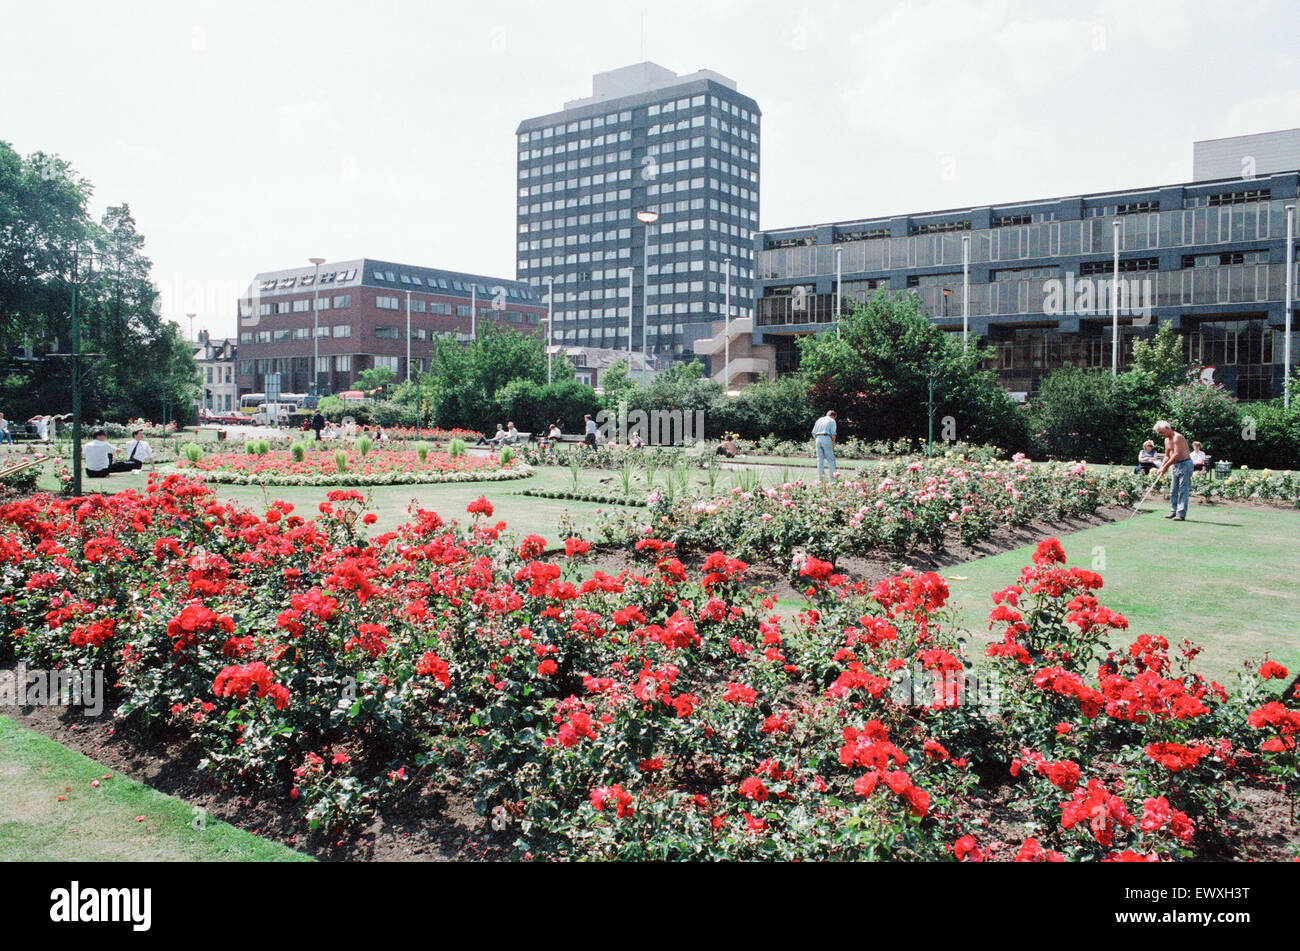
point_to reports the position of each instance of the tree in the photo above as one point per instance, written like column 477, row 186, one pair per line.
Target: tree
column 376, row 378
column 876, row 373
column 1162, row 356
column 146, row 368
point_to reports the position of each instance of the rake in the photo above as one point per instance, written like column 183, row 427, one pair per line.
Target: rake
column 1146, row 495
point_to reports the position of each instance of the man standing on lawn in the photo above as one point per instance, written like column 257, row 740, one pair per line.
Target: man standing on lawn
column 824, row 436
column 1178, row 457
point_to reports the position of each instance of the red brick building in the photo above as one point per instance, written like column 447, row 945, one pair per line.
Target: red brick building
column 354, row 314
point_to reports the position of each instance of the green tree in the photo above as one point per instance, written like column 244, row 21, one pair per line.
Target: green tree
column 376, row 378
column 1161, row 356
column 876, row 373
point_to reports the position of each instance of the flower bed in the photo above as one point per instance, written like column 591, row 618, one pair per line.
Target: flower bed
column 377, row 467
column 651, row 715
column 893, row 507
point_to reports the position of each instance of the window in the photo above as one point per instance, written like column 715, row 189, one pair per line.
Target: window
column 388, row 362
column 386, row 303
column 343, row 362
column 343, row 300
column 386, row 333
column 342, row 330
column 299, row 306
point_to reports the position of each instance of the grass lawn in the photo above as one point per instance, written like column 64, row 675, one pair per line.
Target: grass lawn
column 1224, row 579
column 99, row 823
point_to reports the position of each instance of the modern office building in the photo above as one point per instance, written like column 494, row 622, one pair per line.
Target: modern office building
column 1206, row 257
column 362, row 310
column 631, row 202
column 215, row 356
column 1246, row 156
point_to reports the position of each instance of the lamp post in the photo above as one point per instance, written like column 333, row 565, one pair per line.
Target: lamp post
column 647, row 218
column 473, row 311
column 965, row 291
column 81, row 263
column 191, row 317
column 315, row 328
column 1290, row 278
column 726, row 333
column 631, row 272
column 550, row 325
column 838, row 275
column 1114, row 306
column 408, row 336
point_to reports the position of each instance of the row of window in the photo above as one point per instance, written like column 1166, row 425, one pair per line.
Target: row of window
column 268, row 309
column 308, row 280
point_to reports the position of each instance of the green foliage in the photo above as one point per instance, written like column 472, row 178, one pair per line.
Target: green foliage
column 1090, row 414
column 1207, row 414
column 192, row 451
column 506, row 455
column 456, row 447
column 422, row 451
column 376, row 378
column 1161, row 356
column 779, row 408
column 341, row 460
column 875, row 373
column 463, row 381
column 298, row 451
column 331, row 407
column 364, row 445
column 1276, row 432
column 532, row 406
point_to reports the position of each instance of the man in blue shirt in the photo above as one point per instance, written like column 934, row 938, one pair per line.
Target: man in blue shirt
column 824, row 436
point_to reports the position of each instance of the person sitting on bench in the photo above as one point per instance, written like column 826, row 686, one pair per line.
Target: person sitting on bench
column 98, row 455
column 495, row 440
column 1148, row 458
column 1200, row 459
column 137, row 454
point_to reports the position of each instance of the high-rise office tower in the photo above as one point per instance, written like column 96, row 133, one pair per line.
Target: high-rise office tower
column 631, row 201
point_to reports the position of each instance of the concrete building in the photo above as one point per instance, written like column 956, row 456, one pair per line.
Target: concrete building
column 590, row 363
column 215, row 356
column 1206, row 257
column 364, row 307
column 682, row 151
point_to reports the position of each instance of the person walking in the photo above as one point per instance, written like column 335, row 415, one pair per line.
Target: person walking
column 590, row 435
column 824, row 436
column 1178, row 457
column 318, row 423
column 5, row 435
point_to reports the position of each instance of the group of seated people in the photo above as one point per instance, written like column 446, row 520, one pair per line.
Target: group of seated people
column 508, row 436
column 1150, row 459
column 99, row 452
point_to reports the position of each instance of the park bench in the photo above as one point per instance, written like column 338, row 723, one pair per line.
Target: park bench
column 21, row 432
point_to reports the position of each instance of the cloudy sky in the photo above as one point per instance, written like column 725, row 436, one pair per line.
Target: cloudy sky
column 248, row 136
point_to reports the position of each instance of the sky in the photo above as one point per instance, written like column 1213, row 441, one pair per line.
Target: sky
column 250, row 136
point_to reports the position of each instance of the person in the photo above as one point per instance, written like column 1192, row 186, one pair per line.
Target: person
column 1200, row 458
column 495, row 440
column 381, row 435
column 511, row 435
column 824, row 431
column 98, row 455
column 318, row 423
column 1148, row 458
column 727, row 447
column 5, row 435
column 41, row 430
column 1178, row 458
column 636, row 442
column 589, row 425
column 137, row 454
column 552, row 436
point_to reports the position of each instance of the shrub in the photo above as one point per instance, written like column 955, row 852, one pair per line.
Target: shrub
column 456, row 447
column 297, row 452
column 422, row 451
column 192, row 451
column 1207, row 414
column 506, row 455
column 364, row 445
column 341, row 460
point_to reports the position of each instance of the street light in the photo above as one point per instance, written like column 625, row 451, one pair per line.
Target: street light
column 408, row 336
column 1114, row 306
column 647, row 218
column 550, row 324
column 838, row 273
column 1290, row 278
column 631, row 272
column 82, row 263
column 315, row 328
column 191, row 317
column 965, row 290
column 726, row 333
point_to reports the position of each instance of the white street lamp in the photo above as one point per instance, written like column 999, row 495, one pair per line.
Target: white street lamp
column 1290, row 278
column 631, row 272
column 965, row 290
column 1114, row 306
column 838, row 273
column 315, row 327
column 550, row 325
column 726, row 360
column 647, row 218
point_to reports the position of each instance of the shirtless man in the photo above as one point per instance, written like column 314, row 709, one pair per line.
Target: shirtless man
column 1178, row 456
